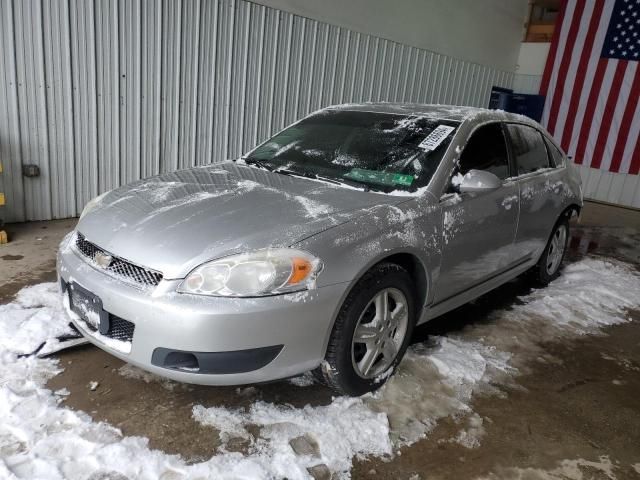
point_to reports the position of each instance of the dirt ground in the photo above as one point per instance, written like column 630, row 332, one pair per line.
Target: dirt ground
column 584, row 405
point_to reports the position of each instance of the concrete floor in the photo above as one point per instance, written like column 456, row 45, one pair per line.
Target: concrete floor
column 566, row 410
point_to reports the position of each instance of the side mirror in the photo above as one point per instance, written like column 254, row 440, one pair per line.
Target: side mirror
column 476, row 181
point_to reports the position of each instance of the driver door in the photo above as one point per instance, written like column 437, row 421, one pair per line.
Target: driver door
column 478, row 229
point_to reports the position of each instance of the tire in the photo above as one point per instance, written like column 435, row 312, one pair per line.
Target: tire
column 345, row 369
column 548, row 267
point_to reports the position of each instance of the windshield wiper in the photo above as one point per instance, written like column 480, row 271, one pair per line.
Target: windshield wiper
column 257, row 163
column 366, row 187
column 352, row 182
column 314, row 176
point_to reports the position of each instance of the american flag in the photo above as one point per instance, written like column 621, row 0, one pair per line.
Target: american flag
column 592, row 83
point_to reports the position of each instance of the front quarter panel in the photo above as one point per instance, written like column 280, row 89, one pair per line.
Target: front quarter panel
column 351, row 249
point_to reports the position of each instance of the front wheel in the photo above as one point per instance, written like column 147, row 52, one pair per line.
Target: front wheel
column 371, row 333
column 548, row 267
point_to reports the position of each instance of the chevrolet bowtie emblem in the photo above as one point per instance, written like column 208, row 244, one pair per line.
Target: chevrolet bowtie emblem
column 102, row 259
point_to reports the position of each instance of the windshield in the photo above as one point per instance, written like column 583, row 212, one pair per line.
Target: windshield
column 380, row 151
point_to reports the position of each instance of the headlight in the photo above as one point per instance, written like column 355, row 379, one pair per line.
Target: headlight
column 255, row 274
column 92, row 204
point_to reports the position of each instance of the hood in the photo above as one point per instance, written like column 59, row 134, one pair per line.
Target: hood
column 176, row 221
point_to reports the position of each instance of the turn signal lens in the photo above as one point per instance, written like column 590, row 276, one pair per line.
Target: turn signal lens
column 301, row 268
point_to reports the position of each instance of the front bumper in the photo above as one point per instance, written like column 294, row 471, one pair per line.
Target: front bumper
column 223, row 330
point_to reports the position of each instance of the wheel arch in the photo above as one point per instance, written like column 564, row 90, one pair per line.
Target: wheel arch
column 570, row 210
column 407, row 259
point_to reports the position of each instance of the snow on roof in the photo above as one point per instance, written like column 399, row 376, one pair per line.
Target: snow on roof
column 449, row 112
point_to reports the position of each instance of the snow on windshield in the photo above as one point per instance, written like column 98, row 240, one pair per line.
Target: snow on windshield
column 387, row 151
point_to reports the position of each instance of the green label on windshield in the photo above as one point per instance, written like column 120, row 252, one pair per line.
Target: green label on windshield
column 381, row 178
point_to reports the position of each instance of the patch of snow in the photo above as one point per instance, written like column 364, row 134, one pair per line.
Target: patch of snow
column 579, row 469
column 344, row 429
column 591, row 294
column 451, row 219
column 32, row 319
column 313, row 208
column 39, row 438
column 130, row 371
column 297, row 297
column 471, row 436
column 407, row 193
column 345, row 160
column 457, row 179
column 304, row 380
column 451, row 368
column 507, row 202
column 248, row 185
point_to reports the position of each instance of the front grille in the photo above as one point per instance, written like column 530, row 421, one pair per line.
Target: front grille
column 120, row 329
column 119, row 267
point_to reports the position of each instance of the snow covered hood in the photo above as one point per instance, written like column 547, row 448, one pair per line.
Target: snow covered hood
column 176, row 221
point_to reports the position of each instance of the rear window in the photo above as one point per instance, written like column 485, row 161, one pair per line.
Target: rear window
column 556, row 158
column 528, row 148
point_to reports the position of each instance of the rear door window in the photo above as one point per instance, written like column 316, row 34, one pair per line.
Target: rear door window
column 528, row 148
column 556, row 158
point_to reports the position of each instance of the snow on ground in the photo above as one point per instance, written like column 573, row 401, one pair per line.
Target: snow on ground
column 35, row 316
column 578, row 469
column 40, row 438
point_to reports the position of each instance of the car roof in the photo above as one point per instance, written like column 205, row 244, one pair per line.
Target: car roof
column 442, row 112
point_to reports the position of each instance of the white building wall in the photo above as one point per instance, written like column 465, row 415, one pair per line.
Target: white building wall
column 529, row 68
column 487, row 32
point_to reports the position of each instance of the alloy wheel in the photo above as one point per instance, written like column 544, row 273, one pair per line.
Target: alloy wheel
column 556, row 249
column 379, row 333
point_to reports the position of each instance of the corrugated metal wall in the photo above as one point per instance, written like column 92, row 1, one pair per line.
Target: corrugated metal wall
column 619, row 188
column 99, row 93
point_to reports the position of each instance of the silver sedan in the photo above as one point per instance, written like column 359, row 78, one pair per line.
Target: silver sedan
column 322, row 248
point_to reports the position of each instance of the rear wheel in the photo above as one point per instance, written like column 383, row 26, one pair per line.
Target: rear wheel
column 371, row 333
column 548, row 267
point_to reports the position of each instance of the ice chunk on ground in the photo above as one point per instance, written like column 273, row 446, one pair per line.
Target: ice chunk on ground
column 35, row 316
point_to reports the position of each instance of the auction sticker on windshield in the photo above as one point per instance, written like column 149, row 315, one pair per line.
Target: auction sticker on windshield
column 381, row 178
column 436, row 137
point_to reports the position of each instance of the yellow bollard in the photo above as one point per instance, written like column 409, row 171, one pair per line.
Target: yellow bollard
column 3, row 234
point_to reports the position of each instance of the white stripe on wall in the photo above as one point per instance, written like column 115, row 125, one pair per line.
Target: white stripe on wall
column 601, row 104
column 590, row 73
column 573, row 66
column 634, row 133
column 618, row 113
column 564, row 33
